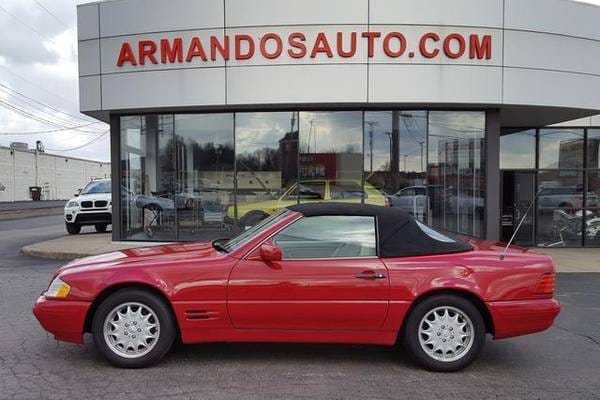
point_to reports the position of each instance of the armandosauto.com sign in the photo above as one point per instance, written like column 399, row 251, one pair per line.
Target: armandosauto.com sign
column 298, row 45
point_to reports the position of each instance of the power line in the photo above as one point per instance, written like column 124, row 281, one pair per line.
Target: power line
column 25, row 24
column 83, row 145
column 37, row 86
column 52, row 14
column 43, row 104
column 45, row 131
column 37, row 118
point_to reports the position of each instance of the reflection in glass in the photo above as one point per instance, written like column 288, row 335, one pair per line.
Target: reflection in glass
column 147, row 162
column 455, row 171
column 592, row 222
column 205, row 182
column 593, row 149
column 328, row 237
column 559, row 208
column 331, row 159
column 561, row 148
column 517, row 149
column 267, row 164
column 395, row 158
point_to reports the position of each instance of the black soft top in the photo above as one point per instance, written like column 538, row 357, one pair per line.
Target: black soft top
column 399, row 233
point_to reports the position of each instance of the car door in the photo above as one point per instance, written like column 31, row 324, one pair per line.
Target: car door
column 329, row 278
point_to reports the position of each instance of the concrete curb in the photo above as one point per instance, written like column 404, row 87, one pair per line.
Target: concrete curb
column 52, row 255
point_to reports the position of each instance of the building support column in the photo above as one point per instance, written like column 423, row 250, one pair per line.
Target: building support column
column 115, row 176
column 492, row 170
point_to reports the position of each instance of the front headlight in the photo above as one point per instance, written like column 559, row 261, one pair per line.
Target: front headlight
column 58, row 289
column 72, row 204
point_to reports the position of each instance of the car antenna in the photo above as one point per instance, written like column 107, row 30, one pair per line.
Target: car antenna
column 503, row 255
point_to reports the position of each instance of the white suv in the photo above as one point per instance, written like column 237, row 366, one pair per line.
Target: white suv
column 91, row 206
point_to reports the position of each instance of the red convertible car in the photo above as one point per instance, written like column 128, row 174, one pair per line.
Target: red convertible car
column 326, row 273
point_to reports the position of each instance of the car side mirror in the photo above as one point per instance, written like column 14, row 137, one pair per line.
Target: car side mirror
column 77, row 192
column 270, row 253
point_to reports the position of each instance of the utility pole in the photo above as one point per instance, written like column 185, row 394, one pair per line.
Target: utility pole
column 371, row 125
column 405, row 157
column 422, row 143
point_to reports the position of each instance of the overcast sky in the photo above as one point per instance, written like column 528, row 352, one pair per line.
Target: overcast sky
column 38, row 59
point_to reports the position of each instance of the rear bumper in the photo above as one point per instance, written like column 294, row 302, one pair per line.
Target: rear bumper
column 64, row 319
column 517, row 318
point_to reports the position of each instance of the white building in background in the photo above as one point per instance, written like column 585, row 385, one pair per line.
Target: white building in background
column 57, row 176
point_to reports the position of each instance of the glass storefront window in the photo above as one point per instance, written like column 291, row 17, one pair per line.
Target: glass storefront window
column 559, row 208
column 561, row 148
column 147, row 163
column 592, row 221
column 205, row 175
column 396, row 157
column 456, row 179
column 593, row 149
column 267, row 164
column 331, row 158
column 517, row 149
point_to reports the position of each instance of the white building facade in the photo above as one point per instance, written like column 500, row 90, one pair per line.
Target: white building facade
column 222, row 111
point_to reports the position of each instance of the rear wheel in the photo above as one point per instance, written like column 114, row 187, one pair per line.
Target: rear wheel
column 133, row 328
column 73, row 229
column 444, row 333
column 100, row 228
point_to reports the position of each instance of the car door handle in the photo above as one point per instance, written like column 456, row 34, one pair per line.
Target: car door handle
column 370, row 275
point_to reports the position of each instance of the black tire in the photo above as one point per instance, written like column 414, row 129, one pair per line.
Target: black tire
column 167, row 332
column 410, row 336
column 253, row 218
column 100, row 228
column 73, row 229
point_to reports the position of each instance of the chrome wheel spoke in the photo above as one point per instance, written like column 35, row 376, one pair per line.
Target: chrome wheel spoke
column 131, row 330
column 446, row 334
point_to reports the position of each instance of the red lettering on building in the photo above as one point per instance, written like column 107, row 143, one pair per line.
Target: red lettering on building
column 126, row 55
column 298, row 45
column 480, row 49
column 432, row 36
column 296, row 41
column 217, row 46
column 278, row 46
column 371, row 36
column 171, row 53
column 459, row 40
column 340, row 45
column 239, row 54
column 321, row 46
column 387, row 48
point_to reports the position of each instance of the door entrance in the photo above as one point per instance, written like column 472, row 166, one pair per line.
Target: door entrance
column 518, row 192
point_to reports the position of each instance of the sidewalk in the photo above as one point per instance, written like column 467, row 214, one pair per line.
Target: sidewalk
column 27, row 209
column 77, row 246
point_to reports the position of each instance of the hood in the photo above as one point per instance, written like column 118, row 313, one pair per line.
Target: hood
column 93, row 196
column 151, row 255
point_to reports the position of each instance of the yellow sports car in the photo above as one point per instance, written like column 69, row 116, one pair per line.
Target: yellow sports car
column 310, row 191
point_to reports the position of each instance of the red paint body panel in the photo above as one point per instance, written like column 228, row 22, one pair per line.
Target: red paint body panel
column 64, row 319
column 516, row 318
column 239, row 297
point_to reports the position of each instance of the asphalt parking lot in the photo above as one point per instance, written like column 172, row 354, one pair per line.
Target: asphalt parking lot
column 562, row 363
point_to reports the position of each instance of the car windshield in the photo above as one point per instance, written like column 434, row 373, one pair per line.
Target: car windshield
column 248, row 234
column 97, row 187
column 345, row 190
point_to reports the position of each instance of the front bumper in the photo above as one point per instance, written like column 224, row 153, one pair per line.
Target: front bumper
column 63, row 318
column 517, row 318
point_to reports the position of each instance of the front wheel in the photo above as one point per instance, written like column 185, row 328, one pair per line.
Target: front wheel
column 133, row 328
column 73, row 229
column 100, row 228
column 444, row 333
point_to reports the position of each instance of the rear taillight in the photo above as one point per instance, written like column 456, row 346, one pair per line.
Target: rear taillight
column 546, row 284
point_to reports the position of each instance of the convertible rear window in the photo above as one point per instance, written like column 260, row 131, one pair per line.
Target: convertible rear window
column 434, row 234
